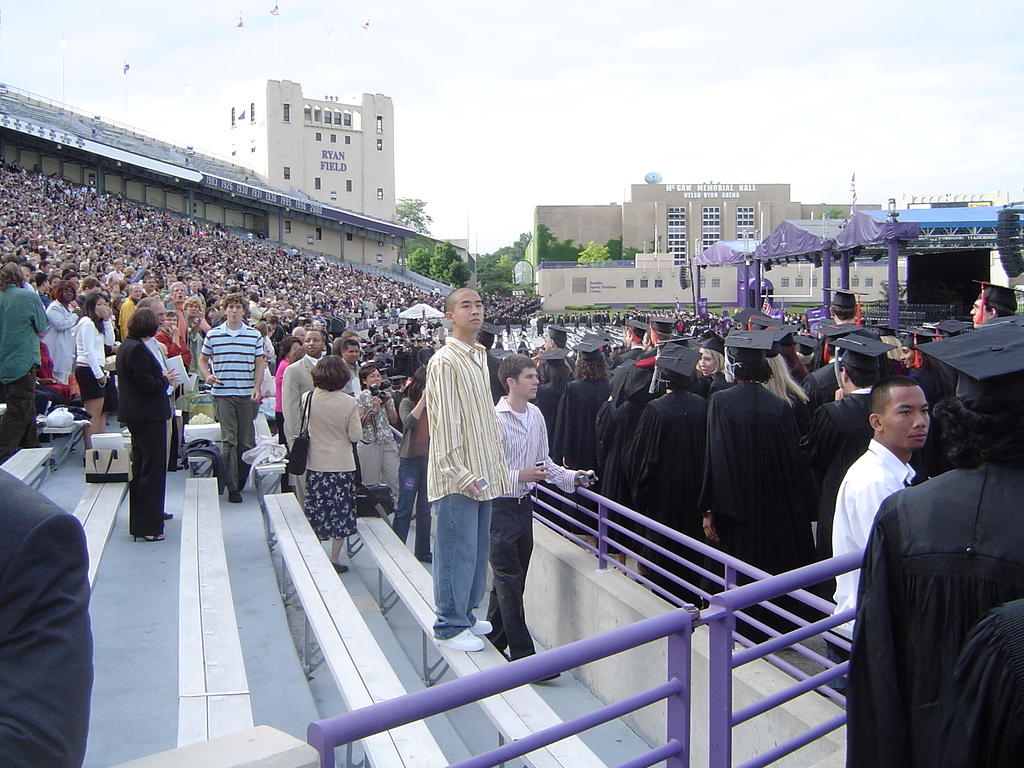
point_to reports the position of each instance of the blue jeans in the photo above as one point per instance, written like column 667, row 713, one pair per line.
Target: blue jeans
column 461, row 549
column 412, row 487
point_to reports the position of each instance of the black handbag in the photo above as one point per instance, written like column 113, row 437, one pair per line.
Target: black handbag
column 298, row 451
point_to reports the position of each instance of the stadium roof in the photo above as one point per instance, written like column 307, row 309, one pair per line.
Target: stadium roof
column 36, row 116
column 979, row 216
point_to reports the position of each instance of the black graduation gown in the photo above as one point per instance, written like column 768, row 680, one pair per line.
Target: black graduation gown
column 497, row 390
column 706, row 386
column 575, row 428
column 940, row 555
column 623, row 373
column 985, row 709
column 547, row 401
column 628, row 356
column 839, row 435
column 664, row 463
column 820, row 386
column 936, row 383
column 755, row 479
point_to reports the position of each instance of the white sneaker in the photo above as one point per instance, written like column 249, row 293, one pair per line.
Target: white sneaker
column 464, row 641
column 481, row 628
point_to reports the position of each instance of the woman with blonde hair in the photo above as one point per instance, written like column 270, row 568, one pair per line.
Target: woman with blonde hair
column 784, row 386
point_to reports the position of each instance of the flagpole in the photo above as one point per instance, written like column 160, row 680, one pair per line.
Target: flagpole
column 63, row 45
column 125, row 92
column 277, row 23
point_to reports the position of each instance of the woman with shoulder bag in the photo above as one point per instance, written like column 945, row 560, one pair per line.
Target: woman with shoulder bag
column 331, row 418
column 92, row 333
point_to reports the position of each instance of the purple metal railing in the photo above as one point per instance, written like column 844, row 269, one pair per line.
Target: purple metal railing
column 327, row 735
column 721, row 615
column 733, row 569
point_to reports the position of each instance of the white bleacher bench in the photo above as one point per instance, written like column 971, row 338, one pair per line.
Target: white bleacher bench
column 347, row 646
column 213, row 691
column 97, row 512
column 516, row 713
column 29, row 465
column 62, row 439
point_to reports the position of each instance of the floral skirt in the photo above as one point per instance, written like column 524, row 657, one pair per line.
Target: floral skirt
column 331, row 504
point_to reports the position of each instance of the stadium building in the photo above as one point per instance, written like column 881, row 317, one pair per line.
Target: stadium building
column 249, row 194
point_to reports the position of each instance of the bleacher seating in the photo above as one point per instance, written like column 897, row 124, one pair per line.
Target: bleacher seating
column 97, row 512
column 29, row 465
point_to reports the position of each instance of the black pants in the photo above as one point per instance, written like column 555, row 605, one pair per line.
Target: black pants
column 149, row 477
column 18, row 425
column 511, row 546
column 282, row 440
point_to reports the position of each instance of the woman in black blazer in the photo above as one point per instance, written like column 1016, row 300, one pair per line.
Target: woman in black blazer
column 145, row 408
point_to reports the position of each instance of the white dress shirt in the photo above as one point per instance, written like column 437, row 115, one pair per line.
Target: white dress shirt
column 526, row 443
column 868, row 482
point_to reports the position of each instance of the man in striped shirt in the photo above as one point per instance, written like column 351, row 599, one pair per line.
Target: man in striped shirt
column 465, row 471
column 527, row 463
column 235, row 352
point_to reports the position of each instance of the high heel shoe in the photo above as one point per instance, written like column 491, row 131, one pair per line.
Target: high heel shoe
column 148, row 538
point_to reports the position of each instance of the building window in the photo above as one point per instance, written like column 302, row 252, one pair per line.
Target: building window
column 869, row 282
column 855, row 282
column 346, row 119
column 380, row 145
column 319, row 136
column 799, row 282
column 232, row 117
column 252, row 111
column 380, row 193
column 316, row 183
column 319, row 233
column 287, row 227
column 814, row 281
column 716, row 282
column 348, row 139
column 644, row 282
column 710, row 225
column 744, row 222
column 579, row 285
column 334, row 138
column 348, row 237
column 785, row 282
column 307, row 113
column 287, row 172
column 380, row 124
column 380, row 242
column 317, row 115
column 348, row 185
column 658, row 282
column 703, row 282
column 286, row 110
column 677, row 234
column 380, row 258
column 334, row 195
column 337, row 118
column 630, row 283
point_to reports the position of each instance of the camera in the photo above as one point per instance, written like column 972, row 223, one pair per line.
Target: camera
column 381, row 391
column 589, row 478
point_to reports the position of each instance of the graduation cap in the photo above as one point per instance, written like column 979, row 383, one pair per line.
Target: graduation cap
column 678, row 359
column 553, row 354
column 490, row 328
column 590, row 349
column 835, row 331
column 500, row 354
column 952, row 327
column 713, row 341
column 638, row 325
column 844, row 299
column 991, row 367
column 807, row 344
column 915, row 337
column 663, row 324
column 998, row 297
column 558, row 334
column 744, row 317
column 749, row 347
column 885, row 330
column 861, row 352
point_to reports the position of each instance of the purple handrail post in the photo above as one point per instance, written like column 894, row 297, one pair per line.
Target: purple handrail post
column 602, row 537
column 729, row 577
column 677, row 725
column 893, row 276
column 720, row 644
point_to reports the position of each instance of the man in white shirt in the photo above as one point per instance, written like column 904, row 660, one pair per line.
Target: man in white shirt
column 899, row 420
column 526, row 458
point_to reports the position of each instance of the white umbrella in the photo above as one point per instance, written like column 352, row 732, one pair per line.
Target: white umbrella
column 420, row 312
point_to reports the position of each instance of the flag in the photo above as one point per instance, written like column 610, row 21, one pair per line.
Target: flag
column 241, row 115
column 366, row 26
column 853, row 193
column 240, row 23
column 766, row 305
column 274, row 11
column 126, row 67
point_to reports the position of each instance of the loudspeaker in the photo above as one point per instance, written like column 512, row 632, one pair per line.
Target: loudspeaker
column 1009, row 242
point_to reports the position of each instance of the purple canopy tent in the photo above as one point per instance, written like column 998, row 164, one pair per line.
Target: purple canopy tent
column 719, row 254
column 800, row 238
column 864, row 229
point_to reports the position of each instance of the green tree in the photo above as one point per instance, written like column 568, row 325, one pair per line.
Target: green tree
column 614, row 249
column 412, row 212
column 629, row 253
column 550, row 249
column 594, row 254
column 458, row 274
column 446, row 266
column 419, row 261
column 837, row 212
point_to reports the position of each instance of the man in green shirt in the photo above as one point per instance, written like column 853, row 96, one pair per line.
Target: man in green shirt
column 22, row 322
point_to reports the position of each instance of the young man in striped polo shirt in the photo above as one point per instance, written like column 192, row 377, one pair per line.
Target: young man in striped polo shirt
column 465, row 471
column 232, row 363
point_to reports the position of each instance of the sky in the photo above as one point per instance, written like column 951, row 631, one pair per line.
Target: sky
column 499, row 109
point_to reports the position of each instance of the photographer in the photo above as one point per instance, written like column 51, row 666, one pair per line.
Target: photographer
column 377, row 450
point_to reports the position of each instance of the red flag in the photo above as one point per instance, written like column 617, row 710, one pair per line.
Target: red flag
column 274, row 11
column 366, row 26
column 240, row 23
